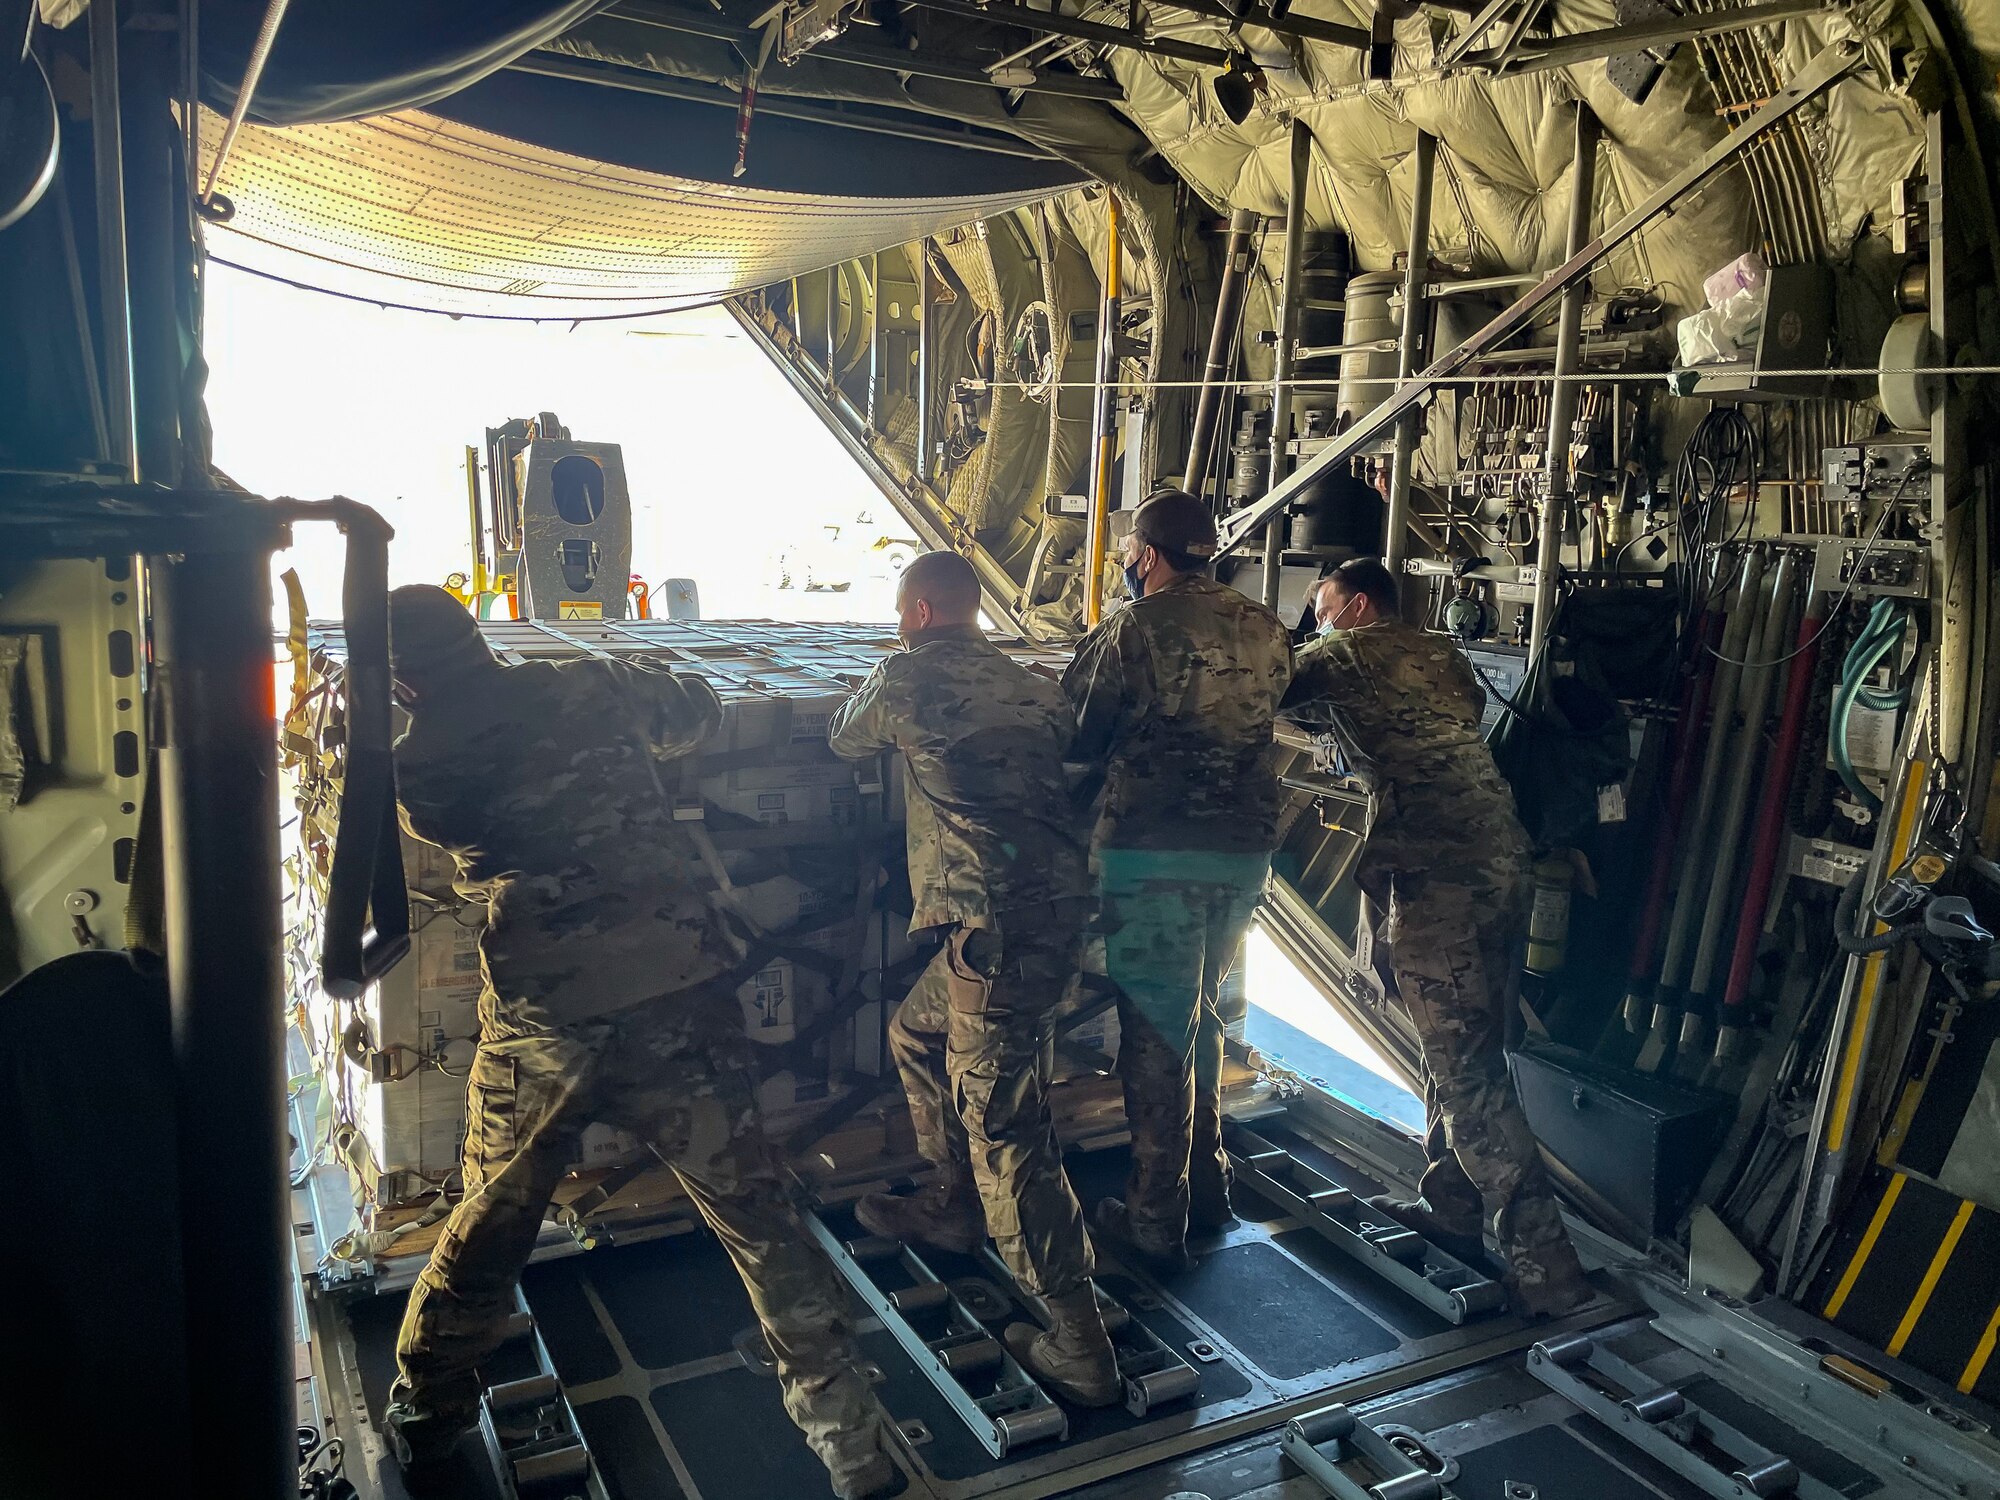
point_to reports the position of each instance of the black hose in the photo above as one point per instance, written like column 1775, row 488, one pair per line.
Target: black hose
column 1848, row 935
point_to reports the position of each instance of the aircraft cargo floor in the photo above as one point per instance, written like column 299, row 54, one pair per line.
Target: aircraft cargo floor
column 658, row 1353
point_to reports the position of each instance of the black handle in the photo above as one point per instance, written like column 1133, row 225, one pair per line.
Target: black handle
column 367, row 916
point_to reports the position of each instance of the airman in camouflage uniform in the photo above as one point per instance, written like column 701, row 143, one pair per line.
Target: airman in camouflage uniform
column 608, row 996
column 996, row 865
column 1175, row 697
column 1447, row 858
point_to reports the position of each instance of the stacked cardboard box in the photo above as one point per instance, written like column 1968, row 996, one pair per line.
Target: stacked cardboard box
column 800, row 834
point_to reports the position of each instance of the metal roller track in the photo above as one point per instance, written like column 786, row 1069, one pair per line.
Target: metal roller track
column 1403, row 1476
column 1152, row 1372
column 1406, row 1260
column 1668, row 1424
column 529, row 1430
column 1016, row 1412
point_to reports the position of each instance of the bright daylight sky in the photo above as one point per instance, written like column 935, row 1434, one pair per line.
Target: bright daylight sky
column 311, row 395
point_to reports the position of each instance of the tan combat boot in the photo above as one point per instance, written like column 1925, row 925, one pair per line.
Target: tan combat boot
column 1074, row 1357
column 946, row 1215
column 856, row 1464
column 1112, row 1220
column 1549, row 1292
column 1455, row 1235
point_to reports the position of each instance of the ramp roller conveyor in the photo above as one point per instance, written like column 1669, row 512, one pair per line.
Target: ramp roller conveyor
column 529, row 1431
column 1668, row 1424
column 1153, row 1372
column 1446, row 1285
column 1401, row 1475
column 962, row 1360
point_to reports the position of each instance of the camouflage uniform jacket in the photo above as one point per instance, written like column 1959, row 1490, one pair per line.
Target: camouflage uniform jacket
column 540, row 781
column 1175, row 696
column 1406, row 704
column 990, row 819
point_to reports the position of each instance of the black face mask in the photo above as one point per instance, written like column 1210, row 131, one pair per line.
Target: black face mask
column 1134, row 584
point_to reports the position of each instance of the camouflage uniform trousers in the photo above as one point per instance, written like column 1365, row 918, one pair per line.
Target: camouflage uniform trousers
column 1456, row 953
column 968, row 1041
column 672, row 1073
column 1173, row 924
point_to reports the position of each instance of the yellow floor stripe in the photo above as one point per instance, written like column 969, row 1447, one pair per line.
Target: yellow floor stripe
column 1867, row 1246
column 1928, row 1285
column 1976, row 1366
column 1871, row 977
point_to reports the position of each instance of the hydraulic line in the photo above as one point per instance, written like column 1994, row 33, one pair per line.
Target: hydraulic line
column 1742, row 774
column 1770, row 834
column 1746, row 611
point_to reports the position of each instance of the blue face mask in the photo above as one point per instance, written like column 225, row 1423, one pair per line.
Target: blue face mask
column 1134, row 584
column 1331, row 624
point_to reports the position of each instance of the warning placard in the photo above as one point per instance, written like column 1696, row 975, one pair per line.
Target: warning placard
column 579, row 609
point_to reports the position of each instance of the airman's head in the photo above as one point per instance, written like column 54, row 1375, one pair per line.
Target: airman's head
column 937, row 588
column 432, row 638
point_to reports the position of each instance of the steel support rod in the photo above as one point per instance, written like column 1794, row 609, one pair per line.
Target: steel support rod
column 218, row 790
column 1409, row 349
column 926, row 353
column 874, row 339
column 1283, row 21
column 1056, row 24
column 1820, row 72
column 1557, row 493
column 1221, row 344
column 781, row 107
column 260, row 53
column 1291, row 299
column 479, row 576
column 156, row 224
column 1097, row 535
column 114, row 276
column 832, row 321
column 1538, row 54
column 865, row 54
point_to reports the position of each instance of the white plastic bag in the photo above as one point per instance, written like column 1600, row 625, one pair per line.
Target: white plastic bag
column 1727, row 332
column 1745, row 273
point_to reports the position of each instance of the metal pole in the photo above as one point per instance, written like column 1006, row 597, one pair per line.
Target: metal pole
column 779, row 106
column 1055, row 24
column 874, row 336
column 1221, row 341
column 260, row 53
column 114, row 278
column 478, row 530
column 1409, row 351
column 1558, row 494
column 832, row 320
column 218, row 786
column 1098, row 534
column 1753, row 697
column 1291, row 296
column 157, row 227
column 924, row 353
column 1739, row 641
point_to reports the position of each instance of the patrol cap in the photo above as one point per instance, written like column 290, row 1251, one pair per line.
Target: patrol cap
column 1175, row 521
column 430, row 630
